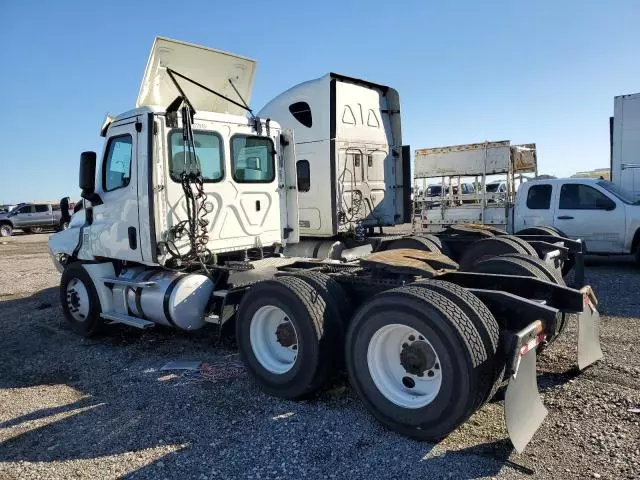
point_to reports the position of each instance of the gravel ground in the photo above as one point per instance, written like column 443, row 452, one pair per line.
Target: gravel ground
column 102, row 408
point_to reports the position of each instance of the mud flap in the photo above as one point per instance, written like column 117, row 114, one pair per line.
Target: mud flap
column 589, row 350
column 523, row 408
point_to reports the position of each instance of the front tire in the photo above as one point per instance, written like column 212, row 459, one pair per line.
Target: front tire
column 417, row 362
column 79, row 300
column 6, row 230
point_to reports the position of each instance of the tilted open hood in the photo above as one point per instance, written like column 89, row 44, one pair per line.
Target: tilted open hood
column 211, row 68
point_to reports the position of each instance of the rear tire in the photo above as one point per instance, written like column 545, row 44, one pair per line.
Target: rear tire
column 36, row 229
column 442, row 248
column 287, row 336
column 539, row 230
column 487, row 248
column 414, row 242
column 79, row 300
column 485, row 323
column 568, row 264
column 551, row 274
column 481, row 230
column 526, row 266
column 524, row 244
column 337, row 300
column 437, row 384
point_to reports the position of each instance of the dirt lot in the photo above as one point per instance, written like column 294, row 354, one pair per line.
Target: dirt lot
column 102, row 408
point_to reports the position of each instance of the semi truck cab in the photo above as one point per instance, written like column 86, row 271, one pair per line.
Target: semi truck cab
column 136, row 186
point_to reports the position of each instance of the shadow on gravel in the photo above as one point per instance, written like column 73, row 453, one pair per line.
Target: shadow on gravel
column 498, row 451
column 549, row 380
column 88, row 399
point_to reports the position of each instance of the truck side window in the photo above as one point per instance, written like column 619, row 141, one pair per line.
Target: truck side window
column 209, row 156
column 252, row 159
column 539, row 197
column 42, row 208
column 117, row 164
column 302, row 112
column 574, row 196
column 304, row 175
column 24, row 209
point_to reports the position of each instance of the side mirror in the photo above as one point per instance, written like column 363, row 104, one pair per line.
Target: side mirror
column 87, row 178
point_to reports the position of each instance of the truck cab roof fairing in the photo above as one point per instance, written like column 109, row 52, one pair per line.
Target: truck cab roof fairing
column 212, row 68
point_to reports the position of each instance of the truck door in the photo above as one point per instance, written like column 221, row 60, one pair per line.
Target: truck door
column 587, row 213
column 350, row 180
column 295, row 176
column 42, row 216
column 22, row 217
column 534, row 206
column 378, row 165
column 115, row 231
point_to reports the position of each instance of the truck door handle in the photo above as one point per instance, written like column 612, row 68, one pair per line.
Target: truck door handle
column 565, row 217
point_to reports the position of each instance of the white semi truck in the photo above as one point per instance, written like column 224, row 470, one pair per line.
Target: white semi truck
column 187, row 212
column 625, row 143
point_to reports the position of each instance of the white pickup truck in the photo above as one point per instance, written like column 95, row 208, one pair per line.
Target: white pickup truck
column 603, row 215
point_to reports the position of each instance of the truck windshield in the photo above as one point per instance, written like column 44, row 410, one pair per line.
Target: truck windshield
column 621, row 193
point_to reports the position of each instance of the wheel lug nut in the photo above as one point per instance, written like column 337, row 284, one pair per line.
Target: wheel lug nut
column 430, row 373
column 405, row 345
column 421, row 374
column 437, row 366
column 412, row 338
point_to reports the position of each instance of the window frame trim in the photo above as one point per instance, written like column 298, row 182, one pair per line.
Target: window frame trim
column 223, row 170
column 578, row 185
column 46, row 205
column 298, row 111
column 309, row 177
column 232, row 160
column 550, row 195
column 106, row 157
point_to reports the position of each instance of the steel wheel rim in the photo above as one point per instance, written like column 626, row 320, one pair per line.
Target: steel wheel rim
column 77, row 298
column 275, row 354
column 6, row 230
column 401, row 387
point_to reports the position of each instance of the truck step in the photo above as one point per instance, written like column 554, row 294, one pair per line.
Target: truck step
column 127, row 320
column 215, row 319
column 129, row 283
column 220, row 293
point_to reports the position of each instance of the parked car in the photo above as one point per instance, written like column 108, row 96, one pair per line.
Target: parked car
column 6, row 208
column 604, row 215
column 32, row 218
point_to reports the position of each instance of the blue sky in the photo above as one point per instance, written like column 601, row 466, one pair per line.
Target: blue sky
column 540, row 71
